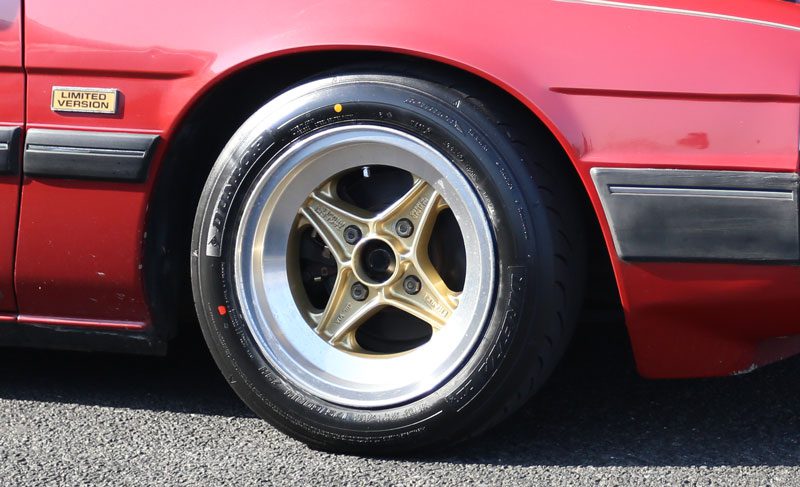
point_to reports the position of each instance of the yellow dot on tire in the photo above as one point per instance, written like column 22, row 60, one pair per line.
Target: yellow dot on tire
column 337, row 108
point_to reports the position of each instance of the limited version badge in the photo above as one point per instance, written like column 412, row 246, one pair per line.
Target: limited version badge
column 86, row 100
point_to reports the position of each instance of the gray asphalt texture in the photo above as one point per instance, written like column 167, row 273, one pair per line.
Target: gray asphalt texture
column 93, row 419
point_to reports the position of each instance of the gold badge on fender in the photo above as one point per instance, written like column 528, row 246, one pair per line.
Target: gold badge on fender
column 85, row 100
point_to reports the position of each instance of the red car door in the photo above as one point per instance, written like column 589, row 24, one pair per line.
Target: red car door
column 12, row 117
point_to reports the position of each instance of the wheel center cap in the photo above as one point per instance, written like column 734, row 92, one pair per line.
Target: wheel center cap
column 379, row 260
column 376, row 261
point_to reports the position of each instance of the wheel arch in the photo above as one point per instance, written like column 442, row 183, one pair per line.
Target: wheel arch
column 212, row 116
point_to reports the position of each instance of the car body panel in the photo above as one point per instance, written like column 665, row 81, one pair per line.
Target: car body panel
column 12, row 114
column 668, row 84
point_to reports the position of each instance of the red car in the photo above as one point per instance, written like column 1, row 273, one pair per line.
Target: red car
column 388, row 215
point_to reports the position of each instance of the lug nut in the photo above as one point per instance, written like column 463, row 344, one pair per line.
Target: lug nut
column 359, row 292
column 352, row 234
column 404, row 227
column 411, row 284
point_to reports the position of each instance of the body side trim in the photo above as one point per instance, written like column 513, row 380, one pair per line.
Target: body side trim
column 88, row 155
column 698, row 215
column 9, row 150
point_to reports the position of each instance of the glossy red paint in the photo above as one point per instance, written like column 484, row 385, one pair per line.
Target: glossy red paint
column 712, row 89
column 12, row 85
column 709, row 319
column 68, row 272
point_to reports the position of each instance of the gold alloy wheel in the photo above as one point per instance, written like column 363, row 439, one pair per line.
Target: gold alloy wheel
column 364, row 265
column 385, row 263
column 382, row 260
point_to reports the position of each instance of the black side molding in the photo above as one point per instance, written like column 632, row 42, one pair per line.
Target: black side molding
column 9, row 150
column 88, row 155
column 677, row 215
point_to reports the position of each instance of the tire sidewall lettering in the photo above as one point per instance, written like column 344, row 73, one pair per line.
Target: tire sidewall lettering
column 465, row 144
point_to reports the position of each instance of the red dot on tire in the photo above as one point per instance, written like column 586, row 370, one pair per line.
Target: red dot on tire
column 222, row 310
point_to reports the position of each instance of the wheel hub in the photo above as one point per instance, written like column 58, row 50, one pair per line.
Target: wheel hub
column 375, row 261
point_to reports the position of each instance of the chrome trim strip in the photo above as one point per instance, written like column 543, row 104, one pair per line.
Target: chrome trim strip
column 85, row 150
column 700, row 192
column 680, row 11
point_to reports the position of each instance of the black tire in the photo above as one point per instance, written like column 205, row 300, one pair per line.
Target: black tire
column 537, row 239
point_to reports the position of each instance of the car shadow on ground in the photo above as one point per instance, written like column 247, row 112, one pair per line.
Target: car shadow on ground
column 595, row 411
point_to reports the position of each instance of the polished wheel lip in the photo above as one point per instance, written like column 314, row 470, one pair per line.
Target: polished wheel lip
column 267, row 298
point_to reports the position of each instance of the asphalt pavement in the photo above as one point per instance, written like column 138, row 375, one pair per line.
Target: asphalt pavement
column 96, row 419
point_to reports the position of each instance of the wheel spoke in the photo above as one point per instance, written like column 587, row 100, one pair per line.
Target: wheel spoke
column 330, row 217
column 433, row 302
column 420, row 206
column 343, row 312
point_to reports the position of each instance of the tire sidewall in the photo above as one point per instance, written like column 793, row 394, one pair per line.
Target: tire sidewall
column 512, row 206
